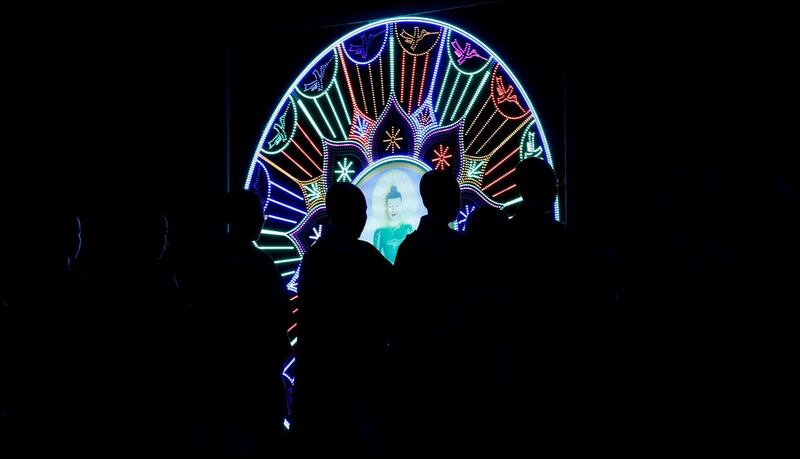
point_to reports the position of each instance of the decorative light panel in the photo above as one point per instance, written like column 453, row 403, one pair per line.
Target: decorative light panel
column 378, row 108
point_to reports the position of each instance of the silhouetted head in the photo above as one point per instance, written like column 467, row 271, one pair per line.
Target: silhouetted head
column 150, row 228
column 537, row 184
column 161, row 236
column 394, row 201
column 440, row 194
column 347, row 209
column 69, row 231
column 486, row 223
column 242, row 210
column 52, row 242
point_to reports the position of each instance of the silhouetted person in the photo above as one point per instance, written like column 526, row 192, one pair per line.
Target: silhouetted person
column 553, row 332
column 44, row 298
column 243, row 311
column 428, row 262
column 487, row 243
column 486, row 340
column 130, row 331
column 347, row 288
column 542, row 244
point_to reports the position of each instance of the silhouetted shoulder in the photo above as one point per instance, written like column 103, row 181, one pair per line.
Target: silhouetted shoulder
column 408, row 248
column 364, row 245
column 411, row 239
column 369, row 250
column 264, row 259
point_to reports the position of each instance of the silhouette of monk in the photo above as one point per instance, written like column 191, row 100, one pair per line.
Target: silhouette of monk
column 347, row 288
column 424, row 258
column 550, row 375
column 542, row 242
column 486, row 340
column 243, row 309
column 40, row 313
column 128, row 332
column 432, row 322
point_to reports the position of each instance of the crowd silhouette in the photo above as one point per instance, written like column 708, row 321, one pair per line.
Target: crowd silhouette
column 483, row 343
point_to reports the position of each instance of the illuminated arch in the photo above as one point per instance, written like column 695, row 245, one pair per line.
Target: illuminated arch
column 406, row 86
column 386, row 102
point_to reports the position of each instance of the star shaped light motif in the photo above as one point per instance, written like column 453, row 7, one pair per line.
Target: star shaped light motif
column 441, row 157
column 345, row 170
column 393, row 135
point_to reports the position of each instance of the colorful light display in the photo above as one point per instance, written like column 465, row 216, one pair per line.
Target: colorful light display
column 401, row 87
column 379, row 107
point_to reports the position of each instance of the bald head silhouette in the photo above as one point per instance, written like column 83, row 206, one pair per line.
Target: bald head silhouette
column 537, row 184
column 440, row 194
column 69, row 230
column 347, row 209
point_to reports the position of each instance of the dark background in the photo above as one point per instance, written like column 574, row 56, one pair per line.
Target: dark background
column 139, row 100
column 657, row 118
column 672, row 128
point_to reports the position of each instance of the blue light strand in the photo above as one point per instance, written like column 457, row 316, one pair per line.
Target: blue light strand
column 288, row 206
column 287, row 191
column 272, row 216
